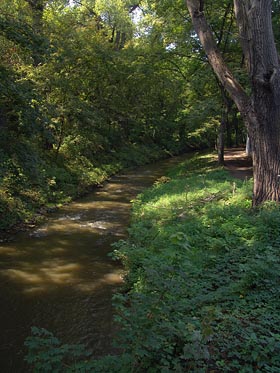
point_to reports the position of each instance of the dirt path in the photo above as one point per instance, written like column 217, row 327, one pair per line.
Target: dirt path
column 238, row 164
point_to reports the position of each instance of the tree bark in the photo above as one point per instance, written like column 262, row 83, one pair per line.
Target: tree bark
column 248, row 146
column 237, row 134
column 214, row 56
column 255, row 28
column 260, row 111
column 221, row 141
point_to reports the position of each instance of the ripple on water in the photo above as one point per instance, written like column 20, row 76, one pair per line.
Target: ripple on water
column 69, row 217
column 99, row 224
column 40, row 232
column 65, row 284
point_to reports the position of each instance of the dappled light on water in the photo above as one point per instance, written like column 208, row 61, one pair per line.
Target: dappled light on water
column 54, row 273
column 59, row 276
column 50, row 273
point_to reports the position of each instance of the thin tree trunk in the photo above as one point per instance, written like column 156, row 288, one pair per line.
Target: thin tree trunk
column 227, row 103
column 229, row 133
column 221, row 141
column 236, row 129
column 248, row 146
column 117, row 40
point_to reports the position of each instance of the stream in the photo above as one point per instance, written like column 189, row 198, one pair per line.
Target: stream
column 59, row 276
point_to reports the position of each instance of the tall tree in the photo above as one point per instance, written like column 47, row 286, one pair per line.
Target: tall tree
column 261, row 109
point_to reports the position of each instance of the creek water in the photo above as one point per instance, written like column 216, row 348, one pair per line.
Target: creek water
column 59, row 275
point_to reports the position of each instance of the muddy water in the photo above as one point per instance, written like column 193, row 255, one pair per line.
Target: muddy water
column 59, row 275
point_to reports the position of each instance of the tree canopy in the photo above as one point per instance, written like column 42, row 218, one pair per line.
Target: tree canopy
column 87, row 84
column 90, row 87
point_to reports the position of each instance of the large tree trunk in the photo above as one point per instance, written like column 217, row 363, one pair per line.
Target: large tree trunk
column 266, row 156
column 257, row 40
column 261, row 111
column 264, row 133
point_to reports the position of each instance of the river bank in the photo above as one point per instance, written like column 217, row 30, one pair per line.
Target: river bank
column 202, row 274
column 28, row 189
column 202, row 278
column 27, row 202
column 58, row 275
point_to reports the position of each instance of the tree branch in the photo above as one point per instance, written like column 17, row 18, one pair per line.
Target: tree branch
column 225, row 76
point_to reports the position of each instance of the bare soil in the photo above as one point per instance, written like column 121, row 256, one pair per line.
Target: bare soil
column 238, row 163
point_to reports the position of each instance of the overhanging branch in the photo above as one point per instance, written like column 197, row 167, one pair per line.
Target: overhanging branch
column 225, row 76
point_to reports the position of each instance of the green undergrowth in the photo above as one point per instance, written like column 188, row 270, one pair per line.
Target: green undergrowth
column 32, row 183
column 202, row 287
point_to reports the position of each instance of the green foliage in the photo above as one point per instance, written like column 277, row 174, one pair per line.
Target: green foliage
column 87, row 96
column 28, row 182
column 22, row 33
column 202, row 280
column 202, row 284
column 86, row 92
column 47, row 354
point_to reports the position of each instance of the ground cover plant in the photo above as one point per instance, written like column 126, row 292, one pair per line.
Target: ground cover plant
column 202, row 287
column 31, row 185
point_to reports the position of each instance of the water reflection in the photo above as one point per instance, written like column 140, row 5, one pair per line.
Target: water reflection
column 59, row 275
column 58, row 272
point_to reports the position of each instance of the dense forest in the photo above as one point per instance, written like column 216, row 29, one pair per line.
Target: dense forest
column 92, row 87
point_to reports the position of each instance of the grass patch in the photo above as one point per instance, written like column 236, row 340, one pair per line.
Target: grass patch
column 202, row 276
column 202, row 287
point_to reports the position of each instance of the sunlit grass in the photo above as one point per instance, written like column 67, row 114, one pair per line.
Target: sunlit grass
column 199, row 254
column 202, row 290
